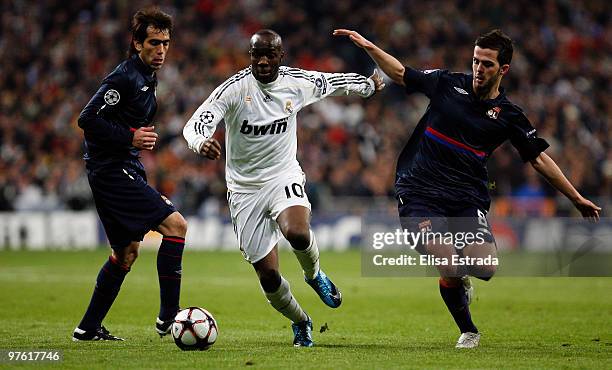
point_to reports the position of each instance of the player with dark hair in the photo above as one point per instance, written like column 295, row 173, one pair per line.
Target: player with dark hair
column 265, row 181
column 441, row 181
column 117, row 124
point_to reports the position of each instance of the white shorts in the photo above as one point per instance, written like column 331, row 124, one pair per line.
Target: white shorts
column 254, row 214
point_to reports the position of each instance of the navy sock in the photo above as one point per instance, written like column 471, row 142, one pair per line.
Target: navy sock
column 454, row 297
column 169, row 258
column 108, row 283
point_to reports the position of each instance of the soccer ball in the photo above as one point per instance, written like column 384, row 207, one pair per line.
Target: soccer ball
column 194, row 328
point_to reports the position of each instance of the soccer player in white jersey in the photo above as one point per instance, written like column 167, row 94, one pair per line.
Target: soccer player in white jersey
column 265, row 181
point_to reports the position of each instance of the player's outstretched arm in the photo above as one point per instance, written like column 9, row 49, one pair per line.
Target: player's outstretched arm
column 322, row 85
column 549, row 169
column 388, row 63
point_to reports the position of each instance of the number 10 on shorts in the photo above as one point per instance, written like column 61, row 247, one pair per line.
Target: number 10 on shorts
column 296, row 189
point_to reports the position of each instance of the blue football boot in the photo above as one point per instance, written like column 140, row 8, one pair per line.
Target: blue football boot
column 302, row 332
column 327, row 291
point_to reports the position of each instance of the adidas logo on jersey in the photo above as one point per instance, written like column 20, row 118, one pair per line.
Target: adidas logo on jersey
column 277, row 127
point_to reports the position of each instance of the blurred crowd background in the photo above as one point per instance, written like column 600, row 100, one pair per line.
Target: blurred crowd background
column 54, row 54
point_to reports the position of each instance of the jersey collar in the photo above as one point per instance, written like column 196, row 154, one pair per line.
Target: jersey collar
column 147, row 72
column 468, row 87
column 269, row 84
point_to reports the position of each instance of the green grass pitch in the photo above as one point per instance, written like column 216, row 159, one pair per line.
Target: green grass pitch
column 383, row 322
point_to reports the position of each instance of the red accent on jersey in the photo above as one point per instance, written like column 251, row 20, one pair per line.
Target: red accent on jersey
column 454, row 142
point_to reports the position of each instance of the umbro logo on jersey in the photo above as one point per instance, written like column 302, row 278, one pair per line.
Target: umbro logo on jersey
column 144, row 88
column 460, row 90
column 277, row 127
column 267, row 98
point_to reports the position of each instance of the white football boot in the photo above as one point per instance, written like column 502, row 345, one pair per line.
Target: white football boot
column 468, row 340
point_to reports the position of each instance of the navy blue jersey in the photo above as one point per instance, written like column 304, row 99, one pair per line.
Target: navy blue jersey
column 445, row 158
column 124, row 102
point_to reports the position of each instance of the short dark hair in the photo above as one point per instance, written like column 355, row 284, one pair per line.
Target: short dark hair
column 142, row 20
column 497, row 40
column 276, row 40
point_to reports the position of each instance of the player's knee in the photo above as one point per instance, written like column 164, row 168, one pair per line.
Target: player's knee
column 173, row 225
column 298, row 237
column 179, row 225
column 269, row 279
column 483, row 272
column 127, row 256
column 131, row 258
column 127, row 260
column 448, row 271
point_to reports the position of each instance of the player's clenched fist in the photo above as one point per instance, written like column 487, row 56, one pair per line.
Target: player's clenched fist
column 379, row 84
column 144, row 138
column 211, row 149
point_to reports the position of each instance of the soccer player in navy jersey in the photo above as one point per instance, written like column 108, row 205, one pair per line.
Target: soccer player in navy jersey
column 441, row 180
column 117, row 123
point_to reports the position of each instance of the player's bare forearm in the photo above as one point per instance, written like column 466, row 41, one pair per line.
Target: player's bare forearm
column 388, row 63
column 547, row 167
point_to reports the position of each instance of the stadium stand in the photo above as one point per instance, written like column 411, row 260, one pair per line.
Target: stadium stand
column 54, row 55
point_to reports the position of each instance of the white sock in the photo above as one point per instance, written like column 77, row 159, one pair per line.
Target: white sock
column 309, row 258
column 283, row 301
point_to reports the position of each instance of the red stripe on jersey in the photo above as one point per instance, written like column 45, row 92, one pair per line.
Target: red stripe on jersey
column 454, row 142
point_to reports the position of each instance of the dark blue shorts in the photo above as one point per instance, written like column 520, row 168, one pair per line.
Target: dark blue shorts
column 128, row 207
column 422, row 214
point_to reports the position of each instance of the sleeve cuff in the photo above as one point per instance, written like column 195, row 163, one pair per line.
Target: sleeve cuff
column 372, row 87
column 197, row 145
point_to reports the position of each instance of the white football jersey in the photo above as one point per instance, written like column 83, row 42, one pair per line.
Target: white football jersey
column 260, row 120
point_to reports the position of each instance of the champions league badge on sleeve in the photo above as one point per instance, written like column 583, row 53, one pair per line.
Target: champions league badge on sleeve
column 112, row 97
column 207, row 117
